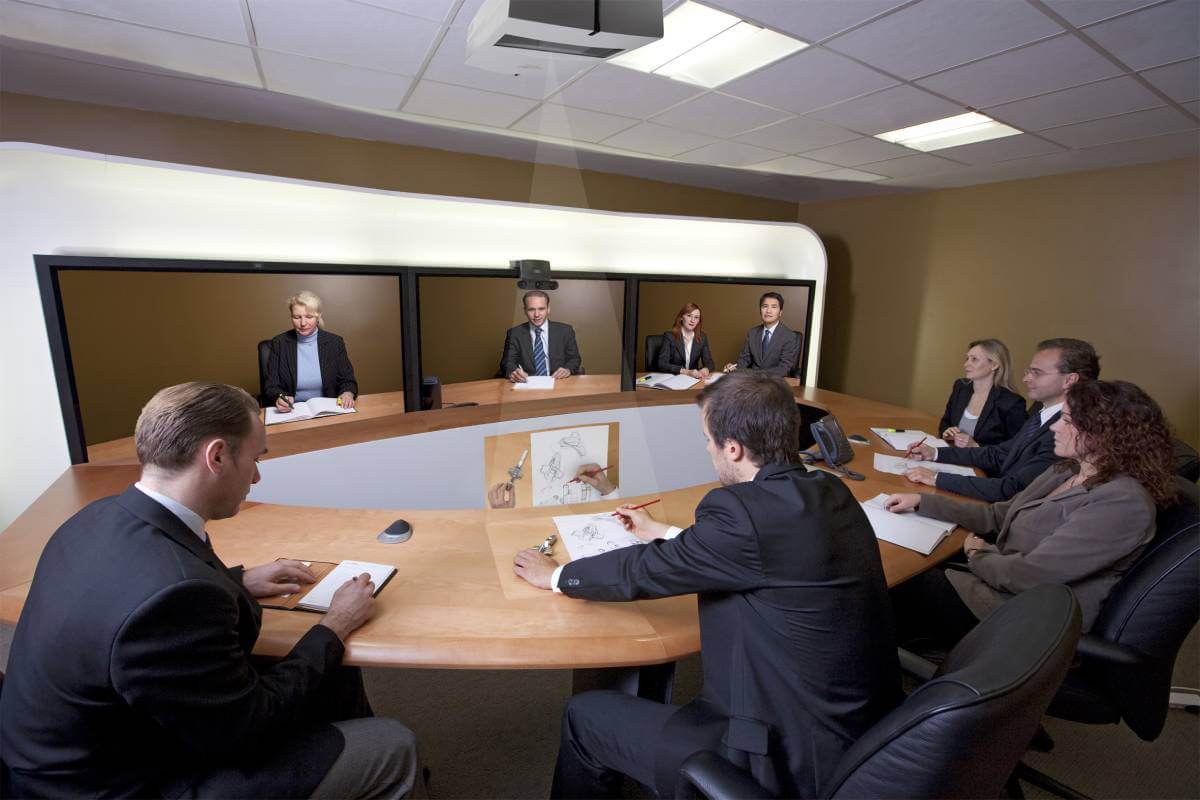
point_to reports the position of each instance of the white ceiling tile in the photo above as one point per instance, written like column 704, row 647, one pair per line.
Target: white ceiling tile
column 345, row 32
column 172, row 51
column 1037, row 69
column 466, row 105
column 812, row 78
column 797, row 135
column 888, row 110
column 624, row 91
column 658, row 140
column 850, row 175
column 936, row 34
column 216, row 19
column 1137, row 125
column 908, row 166
column 1095, row 100
column 1153, row 36
column 576, row 124
column 792, row 165
column 436, row 10
column 860, row 151
column 1152, row 148
column 1085, row 12
column 1180, row 82
column 729, row 154
column 333, row 83
column 447, row 66
column 809, row 20
column 718, row 115
column 1004, row 149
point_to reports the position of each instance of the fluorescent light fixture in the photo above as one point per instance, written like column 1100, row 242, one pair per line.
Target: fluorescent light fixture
column 949, row 132
column 707, row 47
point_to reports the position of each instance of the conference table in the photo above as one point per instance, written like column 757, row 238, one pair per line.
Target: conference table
column 455, row 602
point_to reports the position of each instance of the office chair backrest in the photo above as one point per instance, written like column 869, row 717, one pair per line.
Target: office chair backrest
column 654, row 343
column 795, row 370
column 1151, row 610
column 1187, row 461
column 264, row 355
column 962, row 733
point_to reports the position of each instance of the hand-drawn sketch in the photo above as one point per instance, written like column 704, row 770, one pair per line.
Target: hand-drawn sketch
column 574, row 441
column 591, row 534
column 558, row 456
column 552, row 469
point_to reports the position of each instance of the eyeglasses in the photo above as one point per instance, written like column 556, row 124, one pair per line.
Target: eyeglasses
column 1037, row 373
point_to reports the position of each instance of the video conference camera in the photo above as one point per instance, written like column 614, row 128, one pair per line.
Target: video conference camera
column 535, row 274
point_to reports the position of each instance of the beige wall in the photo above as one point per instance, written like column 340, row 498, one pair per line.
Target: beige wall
column 132, row 333
column 727, row 311
column 463, row 321
column 1109, row 256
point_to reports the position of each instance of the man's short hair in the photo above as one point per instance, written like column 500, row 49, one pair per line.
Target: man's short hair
column 177, row 419
column 758, row 411
column 534, row 293
column 774, row 296
column 1074, row 355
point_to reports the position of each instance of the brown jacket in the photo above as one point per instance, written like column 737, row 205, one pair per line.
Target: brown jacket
column 1085, row 537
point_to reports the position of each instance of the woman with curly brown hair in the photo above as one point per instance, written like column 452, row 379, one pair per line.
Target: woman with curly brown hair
column 1082, row 522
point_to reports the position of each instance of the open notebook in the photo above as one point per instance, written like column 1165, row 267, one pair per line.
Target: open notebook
column 901, row 440
column 907, row 529
column 316, row 407
column 661, row 380
column 330, row 577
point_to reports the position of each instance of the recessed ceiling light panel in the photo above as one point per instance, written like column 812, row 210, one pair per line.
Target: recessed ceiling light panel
column 962, row 129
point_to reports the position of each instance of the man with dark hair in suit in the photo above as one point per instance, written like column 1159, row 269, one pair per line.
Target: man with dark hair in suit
column 540, row 347
column 797, row 639
column 131, row 672
column 771, row 346
column 1057, row 365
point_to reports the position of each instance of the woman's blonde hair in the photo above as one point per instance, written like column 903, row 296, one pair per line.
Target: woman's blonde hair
column 309, row 300
column 997, row 353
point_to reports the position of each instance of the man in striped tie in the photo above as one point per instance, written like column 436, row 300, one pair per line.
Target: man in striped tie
column 539, row 347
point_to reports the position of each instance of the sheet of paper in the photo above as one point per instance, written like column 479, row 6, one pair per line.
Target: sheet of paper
column 320, row 595
column 535, row 382
column 327, row 405
column 713, row 378
column 555, row 458
column 591, row 534
column 300, row 412
column 907, row 529
column 894, row 465
column 900, row 440
column 679, row 382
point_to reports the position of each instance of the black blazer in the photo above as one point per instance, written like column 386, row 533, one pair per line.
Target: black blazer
column 783, row 353
column 1010, row 466
column 1002, row 416
column 670, row 355
column 518, row 349
column 337, row 373
column 130, row 671
column 797, row 640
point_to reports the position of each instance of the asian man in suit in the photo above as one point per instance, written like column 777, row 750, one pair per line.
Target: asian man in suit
column 1057, row 365
column 771, row 346
column 540, row 347
column 796, row 632
column 131, row 673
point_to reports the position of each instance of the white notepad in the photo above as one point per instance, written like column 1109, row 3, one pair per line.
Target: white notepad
column 315, row 407
column 894, row 465
column 901, row 440
column 907, row 529
column 662, row 380
column 320, row 596
column 541, row 382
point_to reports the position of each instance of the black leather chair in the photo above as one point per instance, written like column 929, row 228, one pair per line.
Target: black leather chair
column 1125, row 663
column 1187, row 461
column 795, row 370
column 961, row 733
column 654, row 343
column 264, row 355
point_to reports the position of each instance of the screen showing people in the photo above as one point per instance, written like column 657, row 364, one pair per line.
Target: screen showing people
column 307, row 361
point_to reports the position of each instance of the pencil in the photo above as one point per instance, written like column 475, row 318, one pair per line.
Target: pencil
column 635, row 508
column 591, row 472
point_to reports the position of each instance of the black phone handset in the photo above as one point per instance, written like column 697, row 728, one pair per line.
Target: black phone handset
column 834, row 446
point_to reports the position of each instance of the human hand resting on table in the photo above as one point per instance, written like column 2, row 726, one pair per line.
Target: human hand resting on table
column 284, row 576
column 502, row 495
column 535, row 568
column 560, row 373
column 922, row 475
column 352, row 605
column 898, row 503
column 346, row 400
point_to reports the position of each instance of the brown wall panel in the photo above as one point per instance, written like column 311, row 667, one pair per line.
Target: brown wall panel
column 463, row 320
column 727, row 311
column 132, row 333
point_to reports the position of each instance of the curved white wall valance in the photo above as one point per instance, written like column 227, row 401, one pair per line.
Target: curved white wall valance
column 68, row 202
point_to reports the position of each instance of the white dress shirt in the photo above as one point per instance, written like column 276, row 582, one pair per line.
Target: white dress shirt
column 194, row 521
column 688, row 339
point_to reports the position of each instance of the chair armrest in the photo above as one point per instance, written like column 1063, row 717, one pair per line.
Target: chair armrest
column 706, row 774
column 920, row 668
column 1097, row 649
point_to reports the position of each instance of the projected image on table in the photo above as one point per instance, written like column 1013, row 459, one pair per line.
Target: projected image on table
column 558, row 456
column 544, row 467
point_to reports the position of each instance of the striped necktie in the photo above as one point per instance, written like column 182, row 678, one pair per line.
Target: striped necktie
column 539, row 353
column 1032, row 426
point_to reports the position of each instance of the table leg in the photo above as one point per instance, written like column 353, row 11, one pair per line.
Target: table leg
column 653, row 681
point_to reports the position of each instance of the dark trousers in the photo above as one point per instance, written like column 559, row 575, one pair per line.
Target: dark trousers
column 928, row 608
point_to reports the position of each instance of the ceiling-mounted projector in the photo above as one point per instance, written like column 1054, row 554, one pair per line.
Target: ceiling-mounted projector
column 522, row 36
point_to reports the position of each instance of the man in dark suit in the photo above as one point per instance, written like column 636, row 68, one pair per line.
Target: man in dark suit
column 797, row 640
column 1011, row 466
column 540, row 347
column 130, row 672
column 771, row 346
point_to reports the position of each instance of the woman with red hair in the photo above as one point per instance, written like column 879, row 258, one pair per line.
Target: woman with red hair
column 685, row 347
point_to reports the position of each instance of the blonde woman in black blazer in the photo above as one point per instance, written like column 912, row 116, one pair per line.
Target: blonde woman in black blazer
column 983, row 407
column 684, row 349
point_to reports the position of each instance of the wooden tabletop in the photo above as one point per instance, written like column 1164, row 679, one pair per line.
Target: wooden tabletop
column 455, row 601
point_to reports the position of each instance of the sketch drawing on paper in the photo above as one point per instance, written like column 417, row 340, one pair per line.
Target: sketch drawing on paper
column 559, row 455
column 589, row 535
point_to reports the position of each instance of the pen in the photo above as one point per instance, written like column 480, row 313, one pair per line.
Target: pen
column 591, row 472
column 286, row 402
column 894, row 430
column 635, row 508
